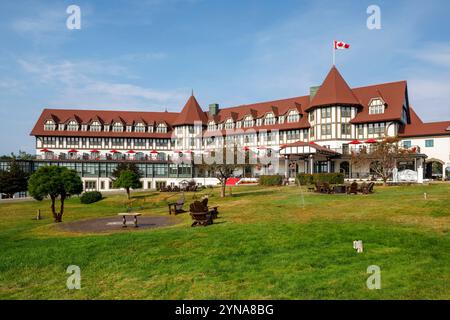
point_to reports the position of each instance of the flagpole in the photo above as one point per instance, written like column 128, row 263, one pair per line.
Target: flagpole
column 334, row 54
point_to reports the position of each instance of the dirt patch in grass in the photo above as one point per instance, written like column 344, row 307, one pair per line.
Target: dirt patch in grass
column 111, row 224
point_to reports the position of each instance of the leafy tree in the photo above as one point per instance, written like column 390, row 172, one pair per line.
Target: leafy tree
column 128, row 179
column 382, row 157
column 124, row 166
column 55, row 182
column 13, row 180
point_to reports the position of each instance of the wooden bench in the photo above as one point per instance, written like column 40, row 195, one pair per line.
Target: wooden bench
column 176, row 207
column 129, row 214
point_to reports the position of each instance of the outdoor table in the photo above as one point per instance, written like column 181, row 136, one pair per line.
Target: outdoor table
column 129, row 214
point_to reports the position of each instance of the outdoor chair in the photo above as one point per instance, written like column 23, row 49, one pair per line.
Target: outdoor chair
column 353, row 188
column 369, row 188
column 200, row 214
column 177, row 207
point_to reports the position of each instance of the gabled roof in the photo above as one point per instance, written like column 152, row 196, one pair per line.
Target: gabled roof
column 192, row 113
column 417, row 127
column 334, row 90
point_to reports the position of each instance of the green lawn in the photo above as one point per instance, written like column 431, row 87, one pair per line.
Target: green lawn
column 270, row 243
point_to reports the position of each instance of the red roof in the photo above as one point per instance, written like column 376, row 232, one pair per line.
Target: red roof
column 191, row 114
column 417, row 127
column 334, row 90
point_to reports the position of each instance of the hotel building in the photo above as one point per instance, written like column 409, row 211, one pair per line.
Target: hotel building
column 311, row 133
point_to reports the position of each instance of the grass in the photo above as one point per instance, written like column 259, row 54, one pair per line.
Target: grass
column 270, row 243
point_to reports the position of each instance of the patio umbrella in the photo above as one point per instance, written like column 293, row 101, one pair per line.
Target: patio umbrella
column 94, row 151
column 73, row 151
column 370, row 141
column 45, row 150
column 261, row 148
column 355, row 142
column 115, row 151
column 189, row 151
column 131, row 151
column 246, row 148
column 154, row 152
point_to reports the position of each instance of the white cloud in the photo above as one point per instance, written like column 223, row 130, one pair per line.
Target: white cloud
column 81, row 84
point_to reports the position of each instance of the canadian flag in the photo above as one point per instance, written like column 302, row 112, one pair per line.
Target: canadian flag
column 339, row 45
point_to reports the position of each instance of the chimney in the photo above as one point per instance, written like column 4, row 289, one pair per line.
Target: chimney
column 213, row 109
column 313, row 92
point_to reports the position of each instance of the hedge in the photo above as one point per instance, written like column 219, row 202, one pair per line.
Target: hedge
column 331, row 178
column 91, row 197
column 275, row 180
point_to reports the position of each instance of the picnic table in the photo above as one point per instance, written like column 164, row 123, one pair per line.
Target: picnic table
column 129, row 214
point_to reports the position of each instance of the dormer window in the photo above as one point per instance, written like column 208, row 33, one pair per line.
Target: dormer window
column 293, row 116
column 117, row 127
column 72, row 125
column 139, row 127
column 270, row 119
column 229, row 124
column 95, row 126
column 211, row 126
column 161, row 128
column 376, row 106
column 49, row 125
column 248, row 121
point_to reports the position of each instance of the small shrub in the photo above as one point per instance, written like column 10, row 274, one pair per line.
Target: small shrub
column 91, row 197
column 331, row 178
column 275, row 180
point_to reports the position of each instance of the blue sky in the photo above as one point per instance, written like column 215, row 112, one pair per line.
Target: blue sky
column 148, row 54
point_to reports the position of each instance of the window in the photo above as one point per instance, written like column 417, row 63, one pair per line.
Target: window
column 407, row 144
column 162, row 143
column 95, row 142
column 293, row 116
column 325, row 129
column 293, row 135
column 139, row 143
column 429, row 143
column 311, row 132
column 191, row 129
column 325, row 113
column 376, row 106
column 117, row 127
column 95, row 126
column 161, row 128
column 48, row 142
column 269, row 120
column 360, row 130
column 72, row 142
column 248, row 122
column 211, row 126
column 49, row 125
column 346, row 112
column 139, row 127
column 72, row 126
column 117, row 142
column 311, row 116
column 370, row 129
column 229, row 124
column 346, row 128
column 378, row 128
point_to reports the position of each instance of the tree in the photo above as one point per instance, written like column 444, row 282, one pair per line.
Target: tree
column 13, row 180
column 124, row 166
column 221, row 168
column 382, row 157
column 54, row 182
column 128, row 179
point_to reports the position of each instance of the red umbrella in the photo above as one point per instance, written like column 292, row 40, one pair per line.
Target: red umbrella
column 370, row 141
column 73, row 151
column 261, row 148
column 154, row 152
column 246, row 148
column 115, row 151
column 189, row 151
column 131, row 151
column 355, row 142
column 94, row 151
column 45, row 150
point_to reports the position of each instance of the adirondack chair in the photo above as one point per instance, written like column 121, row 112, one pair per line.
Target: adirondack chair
column 213, row 211
column 326, row 188
column 353, row 188
column 369, row 188
column 177, row 207
column 363, row 188
column 200, row 214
